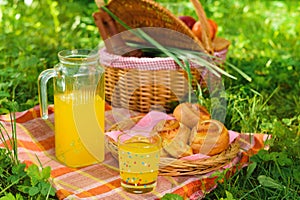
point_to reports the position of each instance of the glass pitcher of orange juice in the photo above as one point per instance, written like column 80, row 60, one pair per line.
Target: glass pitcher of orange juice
column 78, row 81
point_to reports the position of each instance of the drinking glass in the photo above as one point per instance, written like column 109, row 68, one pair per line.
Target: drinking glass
column 139, row 161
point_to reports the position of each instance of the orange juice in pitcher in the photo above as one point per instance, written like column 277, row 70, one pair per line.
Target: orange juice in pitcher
column 78, row 129
column 78, row 107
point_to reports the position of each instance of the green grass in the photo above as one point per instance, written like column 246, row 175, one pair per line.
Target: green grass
column 30, row 38
column 265, row 37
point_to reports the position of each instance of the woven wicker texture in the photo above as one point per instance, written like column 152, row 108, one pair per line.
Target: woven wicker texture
column 145, row 90
column 179, row 167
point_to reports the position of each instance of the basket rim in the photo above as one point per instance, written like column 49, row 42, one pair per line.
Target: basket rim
column 139, row 63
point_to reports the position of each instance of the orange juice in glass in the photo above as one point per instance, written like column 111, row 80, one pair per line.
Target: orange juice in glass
column 139, row 162
column 78, row 107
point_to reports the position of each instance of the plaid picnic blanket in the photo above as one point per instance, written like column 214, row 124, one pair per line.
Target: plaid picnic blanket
column 102, row 181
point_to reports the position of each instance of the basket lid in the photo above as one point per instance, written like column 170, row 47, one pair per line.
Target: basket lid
column 147, row 13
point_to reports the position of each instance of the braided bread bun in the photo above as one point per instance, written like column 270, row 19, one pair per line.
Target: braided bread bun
column 209, row 137
column 175, row 138
column 190, row 114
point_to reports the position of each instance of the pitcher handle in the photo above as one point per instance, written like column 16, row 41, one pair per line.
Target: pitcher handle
column 42, row 90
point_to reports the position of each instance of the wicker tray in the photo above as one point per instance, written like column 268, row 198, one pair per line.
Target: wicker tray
column 179, row 167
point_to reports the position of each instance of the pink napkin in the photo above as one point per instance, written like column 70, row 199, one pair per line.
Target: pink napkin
column 144, row 126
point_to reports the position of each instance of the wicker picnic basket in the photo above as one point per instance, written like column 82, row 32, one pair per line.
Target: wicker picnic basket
column 179, row 167
column 146, row 88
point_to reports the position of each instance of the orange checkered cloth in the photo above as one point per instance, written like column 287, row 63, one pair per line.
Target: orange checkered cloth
column 102, row 181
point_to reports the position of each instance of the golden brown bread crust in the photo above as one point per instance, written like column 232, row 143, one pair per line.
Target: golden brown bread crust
column 189, row 114
column 209, row 137
column 167, row 129
column 175, row 138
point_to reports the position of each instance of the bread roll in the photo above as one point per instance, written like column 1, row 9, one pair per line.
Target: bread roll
column 175, row 138
column 190, row 114
column 209, row 137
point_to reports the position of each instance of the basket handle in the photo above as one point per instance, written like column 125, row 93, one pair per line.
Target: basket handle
column 206, row 41
column 107, row 28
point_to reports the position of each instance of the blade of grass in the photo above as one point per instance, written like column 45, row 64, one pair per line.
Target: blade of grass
column 210, row 66
column 248, row 193
column 270, row 96
column 190, row 78
column 248, row 78
column 3, row 129
column 10, row 185
column 14, row 136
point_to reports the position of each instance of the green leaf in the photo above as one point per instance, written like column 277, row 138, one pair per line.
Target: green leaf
column 19, row 169
column 33, row 191
column 269, row 182
column 8, row 196
column 4, row 94
column 34, row 174
column 262, row 155
column 283, row 160
column 4, row 111
column 46, row 172
column 250, row 169
column 17, row 173
column 19, row 197
column 44, row 188
column 24, row 188
column 229, row 196
column 172, row 197
column 13, row 178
